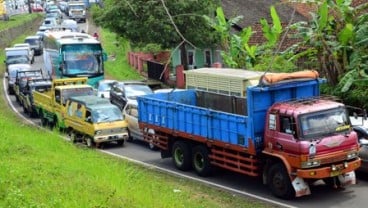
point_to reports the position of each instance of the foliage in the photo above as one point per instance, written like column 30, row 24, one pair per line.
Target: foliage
column 238, row 53
column 166, row 23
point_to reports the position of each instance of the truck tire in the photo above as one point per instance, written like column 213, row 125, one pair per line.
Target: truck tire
column 89, row 142
column 73, row 136
column 120, row 142
column 201, row 161
column 25, row 110
column 279, row 182
column 44, row 121
column 181, row 156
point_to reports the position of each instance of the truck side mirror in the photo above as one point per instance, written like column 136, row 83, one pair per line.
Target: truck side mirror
column 89, row 119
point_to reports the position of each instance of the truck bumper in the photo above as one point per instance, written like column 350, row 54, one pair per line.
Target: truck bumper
column 110, row 138
column 329, row 171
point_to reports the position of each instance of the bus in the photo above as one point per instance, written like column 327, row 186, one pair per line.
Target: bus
column 73, row 54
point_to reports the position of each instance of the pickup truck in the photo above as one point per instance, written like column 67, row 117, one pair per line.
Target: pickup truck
column 26, row 95
column 50, row 104
column 284, row 132
column 21, row 79
column 94, row 121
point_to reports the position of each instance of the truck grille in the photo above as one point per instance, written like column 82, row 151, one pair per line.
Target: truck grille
column 111, row 131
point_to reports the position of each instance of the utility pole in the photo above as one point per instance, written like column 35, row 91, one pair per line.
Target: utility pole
column 29, row 6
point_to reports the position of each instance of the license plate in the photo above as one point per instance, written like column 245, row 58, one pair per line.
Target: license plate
column 335, row 173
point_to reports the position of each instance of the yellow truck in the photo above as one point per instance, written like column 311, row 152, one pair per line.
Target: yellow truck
column 94, row 121
column 50, row 105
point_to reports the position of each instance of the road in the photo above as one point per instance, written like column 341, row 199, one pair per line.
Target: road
column 322, row 196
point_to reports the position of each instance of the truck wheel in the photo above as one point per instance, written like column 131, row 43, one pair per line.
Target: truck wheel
column 181, row 156
column 26, row 111
column 90, row 143
column 279, row 182
column 73, row 136
column 120, row 142
column 201, row 161
column 44, row 121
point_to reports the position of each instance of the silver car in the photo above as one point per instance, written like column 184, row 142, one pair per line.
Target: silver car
column 130, row 113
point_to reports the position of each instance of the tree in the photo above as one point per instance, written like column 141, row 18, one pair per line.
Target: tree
column 171, row 24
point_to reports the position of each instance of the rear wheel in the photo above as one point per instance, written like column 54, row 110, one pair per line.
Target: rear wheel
column 181, row 155
column 44, row 121
column 279, row 182
column 201, row 161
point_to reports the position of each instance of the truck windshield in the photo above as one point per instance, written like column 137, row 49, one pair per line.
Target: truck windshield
column 106, row 114
column 82, row 59
column 324, row 123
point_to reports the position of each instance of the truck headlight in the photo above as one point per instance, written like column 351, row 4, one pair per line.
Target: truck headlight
column 98, row 132
column 311, row 163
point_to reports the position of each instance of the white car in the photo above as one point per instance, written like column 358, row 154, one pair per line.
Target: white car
column 28, row 47
column 130, row 113
column 103, row 88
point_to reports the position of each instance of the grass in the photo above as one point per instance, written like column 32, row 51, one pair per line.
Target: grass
column 17, row 20
column 39, row 169
column 118, row 68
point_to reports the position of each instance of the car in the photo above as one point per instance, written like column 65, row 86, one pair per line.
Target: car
column 37, row 8
column 122, row 92
column 362, row 131
column 36, row 44
column 69, row 24
column 104, row 87
column 56, row 15
column 12, row 74
column 26, row 46
column 130, row 113
column 16, row 56
column 49, row 22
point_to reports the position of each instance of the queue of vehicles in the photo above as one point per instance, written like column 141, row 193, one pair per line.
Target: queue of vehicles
column 257, row 132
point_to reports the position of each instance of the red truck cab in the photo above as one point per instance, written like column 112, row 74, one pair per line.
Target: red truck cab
column 314, row 140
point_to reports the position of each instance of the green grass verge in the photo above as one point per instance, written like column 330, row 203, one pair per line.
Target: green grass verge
column 39, row 169
column 117, row 67
column 17, row 20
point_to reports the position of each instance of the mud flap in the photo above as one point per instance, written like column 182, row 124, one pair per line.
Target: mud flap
column 347, row 178
column 301, row 187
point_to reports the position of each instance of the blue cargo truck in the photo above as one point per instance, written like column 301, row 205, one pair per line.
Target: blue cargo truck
column 285, row 133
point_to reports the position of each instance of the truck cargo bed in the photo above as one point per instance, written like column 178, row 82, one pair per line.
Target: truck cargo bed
column 224, row 118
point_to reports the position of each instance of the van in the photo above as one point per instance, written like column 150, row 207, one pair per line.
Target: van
column 36, row 44
column 16, row 56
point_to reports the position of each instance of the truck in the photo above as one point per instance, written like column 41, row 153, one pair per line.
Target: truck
column 284, row 133
column 50, row 105
column 94, row 121
column 26, row 95
column 77, row 11
column 21, row 79
column 222, row 80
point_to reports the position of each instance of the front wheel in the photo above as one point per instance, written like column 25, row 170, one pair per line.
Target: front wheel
column 120, row 143
column 201, row 161
column 181, row 155
column 90, row 143
column 279, row 182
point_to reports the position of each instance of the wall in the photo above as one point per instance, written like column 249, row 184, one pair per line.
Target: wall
column 6, row 36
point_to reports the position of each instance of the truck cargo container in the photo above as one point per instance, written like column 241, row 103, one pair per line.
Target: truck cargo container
column 285, row 133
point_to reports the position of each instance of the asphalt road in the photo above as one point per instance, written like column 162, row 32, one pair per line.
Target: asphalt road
column 354, row 196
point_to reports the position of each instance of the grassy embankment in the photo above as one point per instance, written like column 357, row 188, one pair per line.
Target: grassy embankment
column 40, row 169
